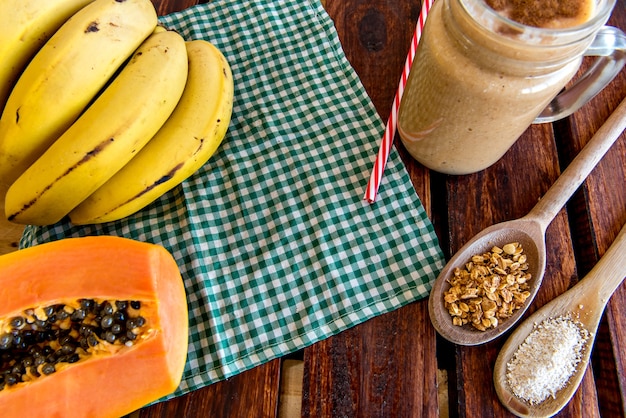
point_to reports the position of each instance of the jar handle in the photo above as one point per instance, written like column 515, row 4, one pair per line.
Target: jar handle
column 609, row 46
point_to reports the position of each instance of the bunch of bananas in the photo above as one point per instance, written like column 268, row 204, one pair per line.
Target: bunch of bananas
column 103, row 111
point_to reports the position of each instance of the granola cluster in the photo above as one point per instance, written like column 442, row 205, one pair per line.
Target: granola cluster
column 490, row 288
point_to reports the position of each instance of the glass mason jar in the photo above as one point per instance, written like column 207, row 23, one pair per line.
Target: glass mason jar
column 479, row 80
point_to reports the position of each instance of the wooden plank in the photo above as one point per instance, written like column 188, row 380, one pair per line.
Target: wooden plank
column 386, row 366
column 599, row 210
column 383, row 368
column 164, row 7
column 290, row 404
column 497, row 197
column 505, row 191
column 252, row 394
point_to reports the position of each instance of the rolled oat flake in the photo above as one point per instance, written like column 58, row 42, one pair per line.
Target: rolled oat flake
column 546, row 360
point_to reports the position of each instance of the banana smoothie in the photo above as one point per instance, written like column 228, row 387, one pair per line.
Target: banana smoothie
column 479, row 79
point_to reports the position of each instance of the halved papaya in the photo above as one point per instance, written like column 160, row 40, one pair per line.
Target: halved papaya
column 90, row 327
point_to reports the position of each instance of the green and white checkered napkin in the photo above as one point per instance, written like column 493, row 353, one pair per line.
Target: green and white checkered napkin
column 276, row 245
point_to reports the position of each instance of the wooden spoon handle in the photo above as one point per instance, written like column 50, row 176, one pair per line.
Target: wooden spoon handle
column 576, row 173
column 610, row 271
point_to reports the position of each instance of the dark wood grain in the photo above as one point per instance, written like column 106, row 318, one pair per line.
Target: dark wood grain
column 387, row 367
column 251, row 394
column 576, row 238
column 476, row 365
column 164, row 7
column 383, row 368
column 600, row 212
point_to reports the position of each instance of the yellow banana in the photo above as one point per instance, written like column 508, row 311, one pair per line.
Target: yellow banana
column 66, row 74
column 24, row 27
column 115, row 127
column 185, row 142
column 159, row 28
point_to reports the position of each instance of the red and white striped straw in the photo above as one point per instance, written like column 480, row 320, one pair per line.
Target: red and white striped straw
column 390, row 130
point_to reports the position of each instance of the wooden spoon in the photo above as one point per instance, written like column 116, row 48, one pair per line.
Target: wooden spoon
column 585, row 303
column 528, row 231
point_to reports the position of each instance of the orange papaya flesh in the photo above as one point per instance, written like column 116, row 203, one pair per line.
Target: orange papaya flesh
column 106, row 378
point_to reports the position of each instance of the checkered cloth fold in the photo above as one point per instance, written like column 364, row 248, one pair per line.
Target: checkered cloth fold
column 276, row 245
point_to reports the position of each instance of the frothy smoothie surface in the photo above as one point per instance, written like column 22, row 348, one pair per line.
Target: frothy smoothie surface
column 545, row 13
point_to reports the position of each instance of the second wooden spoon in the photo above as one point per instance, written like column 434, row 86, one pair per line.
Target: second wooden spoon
column 584, row 303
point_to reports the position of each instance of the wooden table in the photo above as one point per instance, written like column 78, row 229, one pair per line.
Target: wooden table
column 395, row 365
